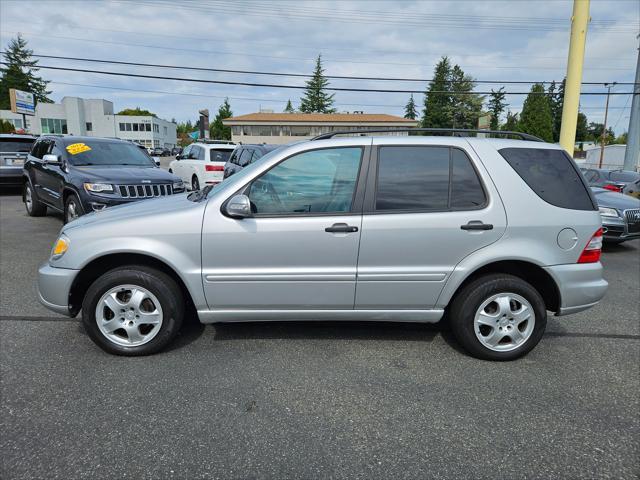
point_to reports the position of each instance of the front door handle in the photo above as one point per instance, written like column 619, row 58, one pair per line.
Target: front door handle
column 476, row 225
column 341, row 228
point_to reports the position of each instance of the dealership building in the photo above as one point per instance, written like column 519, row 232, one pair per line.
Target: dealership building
column 94, row 118
column 278, row 128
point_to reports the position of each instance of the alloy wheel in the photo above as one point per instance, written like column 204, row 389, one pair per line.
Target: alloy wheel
column 504, row 322
column 28, row 198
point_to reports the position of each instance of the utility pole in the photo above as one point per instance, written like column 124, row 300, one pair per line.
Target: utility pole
column 604, row 126
column 632, row 154
column 579, row 21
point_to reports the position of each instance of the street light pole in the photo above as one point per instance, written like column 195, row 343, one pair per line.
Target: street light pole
column 604, row 126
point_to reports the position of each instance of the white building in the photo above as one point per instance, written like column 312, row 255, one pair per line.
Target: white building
column 95, row 118
column 281, row 128
column 613, row 157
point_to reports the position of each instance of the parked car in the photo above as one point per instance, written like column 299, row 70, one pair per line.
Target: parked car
column 201, row 163
column 161, row 152
column 245, row 155
column 621, row 181
column 78, row 175
column 495, row 232
column 13, row 152
column 176, row 151
column 620, row 215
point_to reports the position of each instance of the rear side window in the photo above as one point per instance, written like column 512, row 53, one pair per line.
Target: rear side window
column 552, row 175
column 427, row 178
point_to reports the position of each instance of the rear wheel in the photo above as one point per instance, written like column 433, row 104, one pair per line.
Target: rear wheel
column 72, row 208
column 195, row 184
column 498, row 317
column 35, row 208
column 133, row 311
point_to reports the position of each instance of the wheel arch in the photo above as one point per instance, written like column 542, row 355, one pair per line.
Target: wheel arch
column 92, row 270
column 534, row 274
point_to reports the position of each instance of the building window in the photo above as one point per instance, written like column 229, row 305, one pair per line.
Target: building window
column 16, row 122
column 156, row 129
column 135, row 127
column 127, row 127
column 53, row 125
column 165, row 131
column 235, row 130
column 147, row 127
column 264, row 131
column 89, row 127
column 246, row 130
column 122, row 127
column 300, row 131
column 156, row 143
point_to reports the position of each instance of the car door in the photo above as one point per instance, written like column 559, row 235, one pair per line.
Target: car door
column 45, row 174
column 426, row 209
column 178, row 166
column 299, row 249
column 53, row 176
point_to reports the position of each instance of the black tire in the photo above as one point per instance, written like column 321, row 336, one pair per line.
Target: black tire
column 35, row 208
column 72, row 204
column 160, row 284
column 469, row 299
column 170, row 171
column 195, row 184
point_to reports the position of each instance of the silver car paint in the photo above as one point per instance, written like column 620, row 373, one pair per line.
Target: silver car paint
column 290, row 268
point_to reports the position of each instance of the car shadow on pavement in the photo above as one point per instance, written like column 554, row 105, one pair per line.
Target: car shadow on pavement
column 609, row 248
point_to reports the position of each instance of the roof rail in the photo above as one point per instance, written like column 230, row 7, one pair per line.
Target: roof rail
column 453, row 131
column 219, row 142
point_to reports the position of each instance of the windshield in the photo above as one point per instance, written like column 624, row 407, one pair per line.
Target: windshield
column 15, row 145
column 107, row 154
column 216, row 155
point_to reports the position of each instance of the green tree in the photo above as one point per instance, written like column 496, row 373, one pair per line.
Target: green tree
column 465, row 106
column 20, row 73
column 622, row 139
column 6, row 126
column 289, row 108
column 316, row 99
column 136, row 112
column 496, row 106
column 536, row 118
column 582, row 130
column 437, row 105
column 594, row 133
column 556, row 100
column 410, row 109
column 511, row 123
column 217, row 130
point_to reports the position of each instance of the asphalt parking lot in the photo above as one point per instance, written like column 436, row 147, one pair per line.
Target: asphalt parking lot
column 313, row 400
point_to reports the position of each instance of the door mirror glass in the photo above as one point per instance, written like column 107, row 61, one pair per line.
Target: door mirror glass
column 178, row 157
column 51, row 160
column 238, row 206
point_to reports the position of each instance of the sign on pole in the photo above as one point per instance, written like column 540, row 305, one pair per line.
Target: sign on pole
column 22, row 102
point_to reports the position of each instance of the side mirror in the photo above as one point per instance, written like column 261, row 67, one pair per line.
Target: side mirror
column 178, row 157
column 157, row 161
column 50, row 159
column 238, row 206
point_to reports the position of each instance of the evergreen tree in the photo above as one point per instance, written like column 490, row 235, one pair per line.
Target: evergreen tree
column 437, row 106
column 316, row 99
column 511, row 124
column 556, row 100
column 465, row 107
column 6, row 126
column 19, row 73
column 496, row 106
column 217, row 130
column 536, row 118
column 289, row 108
column 581, row 128
column 410, row 109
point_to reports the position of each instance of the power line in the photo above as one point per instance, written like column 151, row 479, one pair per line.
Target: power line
column 296, row 87
column 281, row 74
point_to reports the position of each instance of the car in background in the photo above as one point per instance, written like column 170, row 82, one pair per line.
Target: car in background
column 245, row 155
column 622, row 181
column 77, row 175
column 13, row 152
column 202, row 163
column 620, row 215
column 161, row 152
column 176, row 151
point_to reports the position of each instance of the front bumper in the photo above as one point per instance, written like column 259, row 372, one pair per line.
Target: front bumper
column 618, row 229
column 581, row 286
column 54, row 286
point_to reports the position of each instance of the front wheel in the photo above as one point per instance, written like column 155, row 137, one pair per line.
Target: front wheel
column 498, row 317
column 72, row 208
column 133, row 311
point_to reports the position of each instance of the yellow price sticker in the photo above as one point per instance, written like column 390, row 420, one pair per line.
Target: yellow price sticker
column 76, row 148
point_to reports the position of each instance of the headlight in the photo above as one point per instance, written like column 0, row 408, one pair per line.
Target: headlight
column 98, row 187
column 60, row 247
column 608, row 212
column 178, row 185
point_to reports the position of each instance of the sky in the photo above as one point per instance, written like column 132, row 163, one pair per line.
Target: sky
column 506, row 40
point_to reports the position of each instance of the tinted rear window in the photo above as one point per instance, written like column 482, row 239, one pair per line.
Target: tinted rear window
column 15, row 145
column 552, row 175
column 216, row 155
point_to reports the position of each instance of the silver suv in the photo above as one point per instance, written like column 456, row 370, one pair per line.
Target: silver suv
column 487, row 233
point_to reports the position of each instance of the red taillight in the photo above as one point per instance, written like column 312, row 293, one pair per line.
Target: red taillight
column 591, row 252
column 613, row 188
column 213, row 168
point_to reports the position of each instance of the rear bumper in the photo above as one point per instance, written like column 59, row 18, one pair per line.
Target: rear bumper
column 581, row 286
column 54, row 285
column 10, row 176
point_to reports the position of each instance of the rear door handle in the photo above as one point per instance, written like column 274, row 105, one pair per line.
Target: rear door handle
column 341, row 228
column 476, row 225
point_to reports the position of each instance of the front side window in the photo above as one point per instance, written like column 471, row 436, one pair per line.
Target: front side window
column 319, row 181
column 245, row 157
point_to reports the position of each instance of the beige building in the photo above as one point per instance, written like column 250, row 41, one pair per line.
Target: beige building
column 291, row 127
